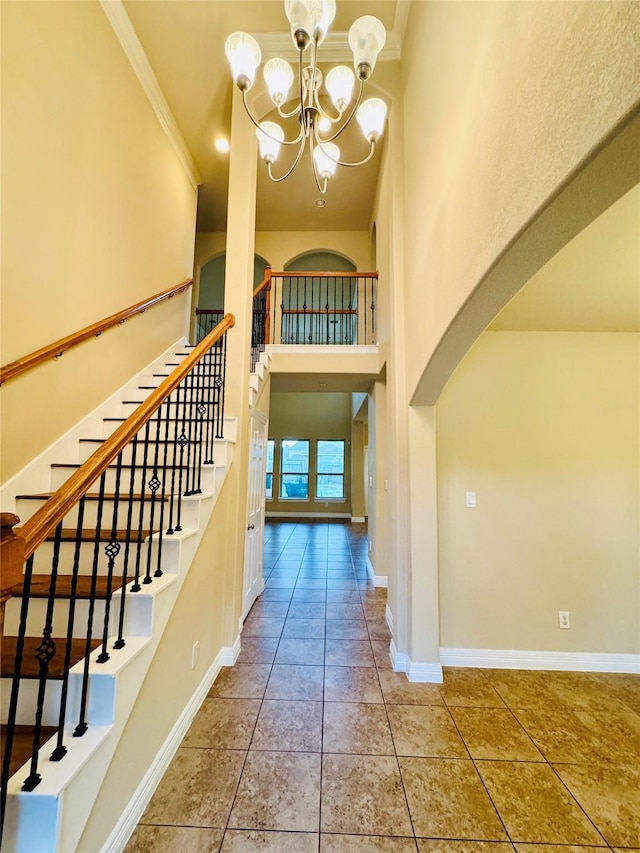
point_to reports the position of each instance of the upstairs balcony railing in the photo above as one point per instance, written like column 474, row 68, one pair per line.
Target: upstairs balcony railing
column 322, row 308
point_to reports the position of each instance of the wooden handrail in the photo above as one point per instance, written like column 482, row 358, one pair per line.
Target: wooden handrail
column 266, row 282
column 43, row 522
column 15, row 368
column 305, row 274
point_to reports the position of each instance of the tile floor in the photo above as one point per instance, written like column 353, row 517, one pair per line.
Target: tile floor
column 312, row 743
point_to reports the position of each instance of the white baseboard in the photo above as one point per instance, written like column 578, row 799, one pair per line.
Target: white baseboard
column 376, row 580
column 358, row 519
column 117, row 840
column 417, row 671
column 293, row 514
column 388, row 617
column 516, row 659
column 230, row 654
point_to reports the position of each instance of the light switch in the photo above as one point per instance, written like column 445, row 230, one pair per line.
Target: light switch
column 470, row 500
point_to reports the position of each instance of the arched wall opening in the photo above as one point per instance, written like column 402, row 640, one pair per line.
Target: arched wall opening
column 212, row 276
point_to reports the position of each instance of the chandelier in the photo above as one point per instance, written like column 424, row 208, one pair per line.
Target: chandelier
column 319, row 125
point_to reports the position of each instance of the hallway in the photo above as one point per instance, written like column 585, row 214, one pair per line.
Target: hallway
column 313, row 731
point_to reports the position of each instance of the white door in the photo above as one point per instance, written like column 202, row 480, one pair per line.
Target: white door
column 253, row 583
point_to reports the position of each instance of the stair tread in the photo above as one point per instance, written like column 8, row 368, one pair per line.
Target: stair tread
column 22, row 743
column 40, row 586
column 30, row 666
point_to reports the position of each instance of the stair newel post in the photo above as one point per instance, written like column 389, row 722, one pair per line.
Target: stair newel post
column 44, row 653
column 166, row 406
column 61, row 750
column 12, row 560
column 82, row 726
column 112, row 549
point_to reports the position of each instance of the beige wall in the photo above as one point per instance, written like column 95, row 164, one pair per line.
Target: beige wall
column 98, row 214
column 544, row 428
column 313, row 416
column 516, row 98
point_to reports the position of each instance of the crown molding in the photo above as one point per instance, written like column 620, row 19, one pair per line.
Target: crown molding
column 128, row 38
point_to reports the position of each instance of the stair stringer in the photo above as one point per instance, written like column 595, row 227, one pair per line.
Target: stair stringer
column 53, row 816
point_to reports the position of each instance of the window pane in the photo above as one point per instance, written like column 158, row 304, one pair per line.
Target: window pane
column 269, row 489
column 294, row 486
column 295, row 456
column 330, row 486
column 270, row 450
column 331, row 457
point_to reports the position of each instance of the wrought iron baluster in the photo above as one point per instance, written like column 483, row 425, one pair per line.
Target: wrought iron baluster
column 120, row 641
column 173, row 495
column 201, row 410
column 365, row 311
column 374, row 282
column 139, row 534
column 166, row 406
column 82, row 726
column 210, row 406
column 15, row 686
column 223, row 378
column 60, row 749
column 44, row 653
column 182, row 441
column 154, row 485
column 112, row 549
column 191, row 380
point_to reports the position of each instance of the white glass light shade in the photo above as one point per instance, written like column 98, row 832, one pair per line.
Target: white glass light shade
column 278, row 76
column 301, row 20
column 325, row 159
column 371, row 115
column 366, row 39
column 269, row 146
column 326, row 19
column 339, row 84
column 243, row 53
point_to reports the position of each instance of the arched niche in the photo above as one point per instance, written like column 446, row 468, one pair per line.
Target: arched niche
column 321, row 260
column 212, row 277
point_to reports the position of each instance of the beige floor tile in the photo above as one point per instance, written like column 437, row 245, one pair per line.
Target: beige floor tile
column 524, row 688
column 270, row 609
column 307, row 610
column 258, row 649
column 365, row 844
column 292, row 726
column 307, row 629
column 345, row 611
column 583, row 691
column 439, row 845
column 560, row 735
column 616, row 734
column 378, row 629
column 468, row 688
column 299, row 651
column 273, row 594
column 494, row 733
column 556, row 848
column 278, row 790
column 381, row 654
column 197, row 789
column 351, row 684
column 256, row 626
column 342, row 596
column 296, row 682
column 625, row 687
column 534, row 805
column 309, row 596
column 352, row 727
column 349, row 653
column 242, row 681
column 347, row 629
column 223, row 724
column 169, row 839
column 448, row 800
column 362, row 794
column 398, row 690
column 425, row 730
column 611, row 798
column 253, row 841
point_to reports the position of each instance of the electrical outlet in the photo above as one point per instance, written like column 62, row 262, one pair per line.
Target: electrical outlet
column 470, row 500
column 194, row 654
column 369, row 544
column 564, row 620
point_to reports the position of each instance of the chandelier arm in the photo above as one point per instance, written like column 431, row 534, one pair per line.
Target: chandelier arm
column 342, row 162
column 291, row 114
column 275, row 139
column 322, row 188
column 324, row 113
column 351, row 115
column 294, row 164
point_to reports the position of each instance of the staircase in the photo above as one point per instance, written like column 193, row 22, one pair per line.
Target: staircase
column 98, row 666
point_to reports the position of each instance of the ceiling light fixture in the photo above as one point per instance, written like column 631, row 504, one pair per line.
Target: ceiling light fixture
column 309, row 21
column 222, row 145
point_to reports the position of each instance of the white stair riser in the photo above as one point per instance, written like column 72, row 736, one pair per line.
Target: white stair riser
column 61, row 474
column 38, row 612
column 170, row 555
column 190, row 507
column 27, row 700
